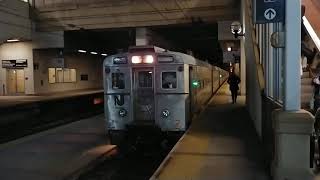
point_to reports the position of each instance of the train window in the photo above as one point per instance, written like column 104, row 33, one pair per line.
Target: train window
column 169, row 80
column 117, row 80
column 145, row 79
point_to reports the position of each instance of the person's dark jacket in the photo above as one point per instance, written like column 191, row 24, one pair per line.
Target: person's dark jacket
column 233, row 82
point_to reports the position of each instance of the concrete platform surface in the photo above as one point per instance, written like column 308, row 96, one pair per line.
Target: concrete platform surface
column 6, row 101
column 221, row 144
column 56, row 154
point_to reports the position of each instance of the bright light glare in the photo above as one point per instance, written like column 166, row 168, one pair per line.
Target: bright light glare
column 104, row 54
column 136, row 59
column 312, row 32
column 82, row 51
column 148, row 59
column 93, row 52
column 229, row 49
column 12, row 40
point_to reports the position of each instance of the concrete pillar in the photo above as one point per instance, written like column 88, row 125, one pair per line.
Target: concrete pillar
column 142, row 37
column 243, row 52
column 292, row 131
column 292, row 81
column 242, row 68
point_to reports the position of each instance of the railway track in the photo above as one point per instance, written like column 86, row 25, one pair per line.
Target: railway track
column 13, row 131
column 137, row 162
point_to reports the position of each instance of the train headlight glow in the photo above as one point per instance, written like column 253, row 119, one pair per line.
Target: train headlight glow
column 148, row 59
column 122, row 112
column 165, row 113
column 136, row 59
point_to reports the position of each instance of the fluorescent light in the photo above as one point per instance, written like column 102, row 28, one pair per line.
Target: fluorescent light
column 104, row 54
column 82, row 51
column 93, row 52
column 311, row 32
column 12, row 40
column 229, row 49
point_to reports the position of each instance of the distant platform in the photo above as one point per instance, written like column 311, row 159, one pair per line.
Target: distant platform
column 221, row 144
column 7, row 101
column 61, row 153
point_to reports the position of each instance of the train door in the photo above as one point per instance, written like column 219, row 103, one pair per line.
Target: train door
column 143, row 95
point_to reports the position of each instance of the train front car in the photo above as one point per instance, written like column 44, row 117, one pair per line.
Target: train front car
column 146, row 88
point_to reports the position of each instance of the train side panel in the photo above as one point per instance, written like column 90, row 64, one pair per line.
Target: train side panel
column 178, row 107
column 174, row 100
column 201, row 93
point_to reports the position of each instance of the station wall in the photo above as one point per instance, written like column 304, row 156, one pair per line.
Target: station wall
column 88, row 70
column 13, row 51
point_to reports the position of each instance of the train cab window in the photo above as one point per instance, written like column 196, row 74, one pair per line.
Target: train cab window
column 169, row 80
column 145, row 79
column 118, row 81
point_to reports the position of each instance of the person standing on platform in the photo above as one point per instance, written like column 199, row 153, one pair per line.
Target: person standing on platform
column 233, row 82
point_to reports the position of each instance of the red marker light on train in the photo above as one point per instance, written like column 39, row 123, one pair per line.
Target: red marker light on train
column 136, row 59
column 148, row 59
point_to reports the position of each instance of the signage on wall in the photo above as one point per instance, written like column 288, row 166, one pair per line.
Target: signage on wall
column 269, row 11
column 18, row 63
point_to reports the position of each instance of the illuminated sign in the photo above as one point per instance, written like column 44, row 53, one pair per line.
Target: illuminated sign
column 18, row 63
column 269, row 11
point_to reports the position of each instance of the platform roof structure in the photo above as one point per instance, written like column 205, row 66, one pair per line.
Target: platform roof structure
column 100, row 14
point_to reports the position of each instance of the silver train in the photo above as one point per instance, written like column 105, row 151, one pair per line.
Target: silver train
column 156, row 89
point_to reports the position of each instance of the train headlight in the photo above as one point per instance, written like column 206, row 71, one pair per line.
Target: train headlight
column 165, row 113
column 148, row 59
column 136, row 59
column 123, row 112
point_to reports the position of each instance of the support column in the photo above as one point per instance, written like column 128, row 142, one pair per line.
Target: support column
column 142, row 37
column 292, row 126
column 292, row 81
column 292, row 131
column 243, row 69
column 243, row 52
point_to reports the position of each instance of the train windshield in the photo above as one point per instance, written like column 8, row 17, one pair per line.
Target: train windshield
column 169, row 80
column 145, row 79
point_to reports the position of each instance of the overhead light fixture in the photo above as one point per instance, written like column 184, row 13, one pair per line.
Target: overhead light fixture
column 236, row 29
column 104, row 54
column 93, row 52
column 82, row 51
column 229, row 49
column 13, row 40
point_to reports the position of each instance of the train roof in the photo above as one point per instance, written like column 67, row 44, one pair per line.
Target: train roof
column 179, row 57
column 188, row 59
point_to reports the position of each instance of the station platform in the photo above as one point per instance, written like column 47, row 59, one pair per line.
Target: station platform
column 221, row 144
column 8, row 101
column 61, row 153
column 20, row 115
